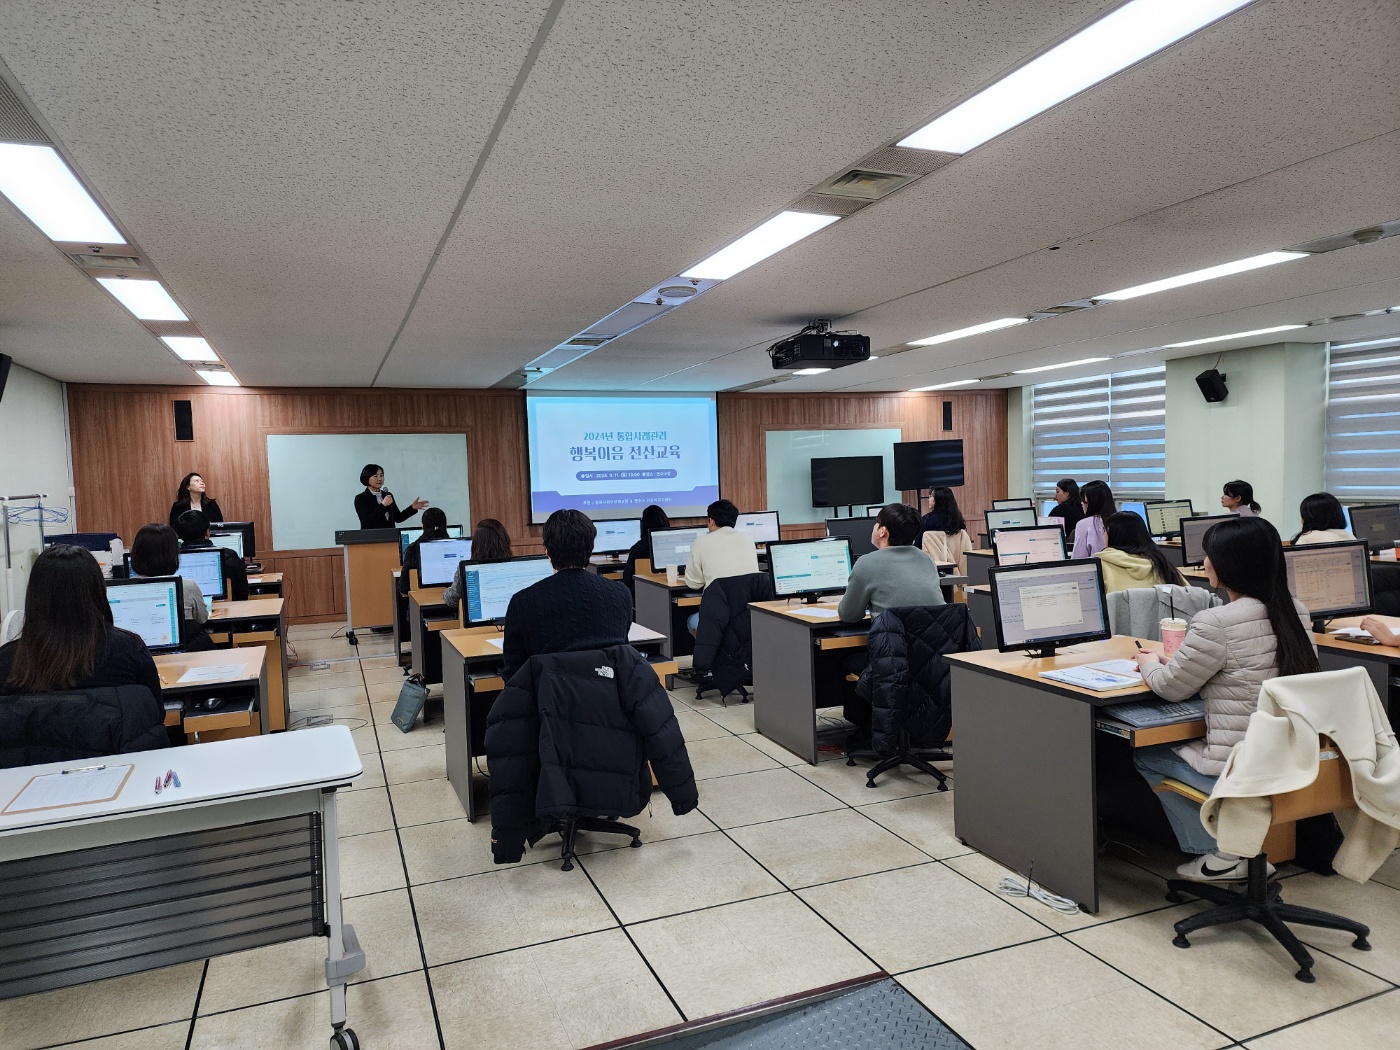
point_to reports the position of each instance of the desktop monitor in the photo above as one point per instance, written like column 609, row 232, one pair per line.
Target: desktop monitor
column 809, row 568
column 229, row 540
column 761, row 525
column 1029, row 546
column 1134, row 507
column 1193, row 536
column 616, row 536
column 438, row 561
column 250, row 546
column 149, row 607
column 1047, row 507
column 1012, row 504
column 1164, row 516
column 1014, row 518
column 672, row 546
column 855, row 531
column 488, row 587
column 1043, row 607
column 1331, row 579
column 407, row 536
column 1346, row 519
column 1045, row 519
column 206, row 568
column 1378, row 525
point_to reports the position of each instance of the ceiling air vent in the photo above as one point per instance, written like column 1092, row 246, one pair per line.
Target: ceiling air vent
column 16, row 125
column 864, row 184
column 587, row 340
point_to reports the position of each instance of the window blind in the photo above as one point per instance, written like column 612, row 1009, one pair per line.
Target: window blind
column 1363, row 421
column 1111, row 427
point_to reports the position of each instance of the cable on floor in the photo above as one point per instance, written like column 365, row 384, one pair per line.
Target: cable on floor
column 1014, row 887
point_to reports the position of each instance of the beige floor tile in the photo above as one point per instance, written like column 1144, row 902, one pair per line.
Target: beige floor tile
column 166, row 1037
column 848, row 782
column 697, row 727
column 656, row 822
column 315, row 630
column 380, row 671
column 384, row 712
column 823, row 847
column 1050, row 996
column 414, row 763
column 356, row 716
column 508, row 908
column 373, row 775
column 662, row 878
column 925, row 821
column 724, row 756
column 940, row 916
column 391, row 738
column 425, row 802
column 369, row 864
column 366, row 742
column 318, row 699
column 1372, row 1023
column 1236, row 978
column 747, row 953
column 769, row 794
column 85, row 1011
column 345, row 675
column 451, row 849
column 1376, row 905
column 774, row 750
column 385, row 692
column 1389, row 872
column 363, row 812
column 380, row 661
column 737, row 717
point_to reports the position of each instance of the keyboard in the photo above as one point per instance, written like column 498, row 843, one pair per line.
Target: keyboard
column 1144, row 714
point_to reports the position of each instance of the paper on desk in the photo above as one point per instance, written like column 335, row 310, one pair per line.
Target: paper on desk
column 215, row 673
column 1353, row 634
column 1127, row 667
column 1088, row 677
column 499, row 643
column 819, row 613
column 56, row 790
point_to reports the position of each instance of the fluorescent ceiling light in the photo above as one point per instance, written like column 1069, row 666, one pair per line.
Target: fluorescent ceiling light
column 1366, row 344
column 945, row 386
column 217, row 378
column 39, row 184
column 1235, row 335
column 1110, row 45
column 1067, row 364
column 977, row 329
column 147, row 300
column 810, row 371
column 190, row 347
column 784, row 229
column 1210, row 273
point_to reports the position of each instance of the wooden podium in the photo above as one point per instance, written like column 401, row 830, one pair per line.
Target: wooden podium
column 371, row 557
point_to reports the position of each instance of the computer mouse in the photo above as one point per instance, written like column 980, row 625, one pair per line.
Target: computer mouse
column 209, row 703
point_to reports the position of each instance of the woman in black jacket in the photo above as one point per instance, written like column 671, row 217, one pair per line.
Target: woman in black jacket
column 434, row 528
column 376, row 506
column 1068, row 506
column 653, row 518
column 193, row 494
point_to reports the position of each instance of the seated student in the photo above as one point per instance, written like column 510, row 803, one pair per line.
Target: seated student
column 193, row 528
column 1090, row 532
column 434, row 528
column 1323, row 521
column 490, row 542
column 1380, row 630
column 1238, row 498
column 193, row 495
column 947, row 540
column 1229, row 652
column 1131, row 559
column 653, row 518
column 69, row 643
column 719, row 553
column 1068, row 505
column 572, row 610
column 156, row 552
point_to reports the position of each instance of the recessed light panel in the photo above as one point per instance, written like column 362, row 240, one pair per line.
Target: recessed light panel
column 217, row 378
column 1067, row 364
column 781, row 231
column 1236, row 335
column 977, row 329
column 1210, row 273
column 39, row 184
column 190, row 347
column 147, row 300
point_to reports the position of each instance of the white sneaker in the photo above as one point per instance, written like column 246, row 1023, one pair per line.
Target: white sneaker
column 1210, row 867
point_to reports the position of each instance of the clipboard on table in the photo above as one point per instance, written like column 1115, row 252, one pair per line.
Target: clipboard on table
column 64, row 790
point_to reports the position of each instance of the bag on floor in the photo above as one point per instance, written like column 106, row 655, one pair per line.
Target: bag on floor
column 412, row 697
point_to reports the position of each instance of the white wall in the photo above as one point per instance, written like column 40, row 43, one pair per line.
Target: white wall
column 33, row 458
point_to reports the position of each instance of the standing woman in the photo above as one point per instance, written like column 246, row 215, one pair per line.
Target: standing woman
column 376, row 506
column 948, row 540
column 194, row 495
column 1238, row 498
column 1068, row 507
column 1091, row 533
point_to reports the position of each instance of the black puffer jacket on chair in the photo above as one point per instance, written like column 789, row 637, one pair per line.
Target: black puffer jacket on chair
column 724, row 636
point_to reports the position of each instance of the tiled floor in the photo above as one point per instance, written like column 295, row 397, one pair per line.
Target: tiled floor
column 788, row 877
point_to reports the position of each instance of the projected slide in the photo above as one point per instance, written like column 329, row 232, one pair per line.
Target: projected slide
column 611, row 456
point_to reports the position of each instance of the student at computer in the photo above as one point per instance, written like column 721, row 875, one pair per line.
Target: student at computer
column 193, row 530
column 69, row 643
column 947, row 540
column 434, row 528
column 156, row 552
column 1091, row 532
column 193, row 495
column 1069, row 504
column 375, row 505
column 1228, row 653
column 1237, row 497
column 490, row 542
column 653, row 518
column 1131, row 559
column 573, row 609
column 719, row 553
column 1323, row 520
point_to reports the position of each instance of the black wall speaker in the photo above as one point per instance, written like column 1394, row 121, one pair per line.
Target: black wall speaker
column 184, row 421
column 947, row 415
column 1212, row 385
column 5, row 360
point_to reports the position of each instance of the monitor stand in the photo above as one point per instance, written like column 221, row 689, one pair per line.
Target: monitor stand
column 1044, row 651
column 1319, row 625
column 811, row 599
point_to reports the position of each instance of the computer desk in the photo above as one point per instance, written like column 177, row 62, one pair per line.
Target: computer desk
column 1379, row 661
column 979, row 607
column 979, row 562
column 1175, row 552
column 665, row 608
column 472, row 663
column 427, row 615
column 265, row 585
column 242, row 690
column 609, row 568
column 261, row 622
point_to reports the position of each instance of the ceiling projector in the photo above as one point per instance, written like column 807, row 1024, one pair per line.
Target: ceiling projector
column 816, row 346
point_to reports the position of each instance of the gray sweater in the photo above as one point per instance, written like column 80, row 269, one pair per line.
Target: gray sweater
column 889, row 579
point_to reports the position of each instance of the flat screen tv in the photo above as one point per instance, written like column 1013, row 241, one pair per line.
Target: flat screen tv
column 848, row 480
column 928, row 464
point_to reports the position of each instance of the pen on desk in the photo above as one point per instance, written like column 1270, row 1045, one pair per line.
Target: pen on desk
column 1137, row 643
column 83, row 769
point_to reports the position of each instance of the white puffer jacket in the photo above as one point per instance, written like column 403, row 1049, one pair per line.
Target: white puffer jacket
column 1228, row 654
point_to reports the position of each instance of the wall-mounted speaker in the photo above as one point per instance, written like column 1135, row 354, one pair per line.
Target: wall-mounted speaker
column 184, row 421
column 947, row 415
column 5, row 360
column 1212, row 385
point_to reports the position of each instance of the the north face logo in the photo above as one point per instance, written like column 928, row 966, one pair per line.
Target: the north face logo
column 604, row 672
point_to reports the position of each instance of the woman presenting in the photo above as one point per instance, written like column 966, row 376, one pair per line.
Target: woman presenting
column 193, row 495
column 376, row 506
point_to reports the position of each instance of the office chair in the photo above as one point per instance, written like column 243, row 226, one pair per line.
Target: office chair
column 569, row 827
column 11, row 626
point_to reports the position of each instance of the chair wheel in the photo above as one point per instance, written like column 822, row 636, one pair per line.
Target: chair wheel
column 345, row 1039
column 850, row 761
column 943, row 786
column 635, row 843
column 1180, row 941
column 1361, row 944
column 1306, row 976
column 1175, row 897
column 869, row 783
column 567, row 866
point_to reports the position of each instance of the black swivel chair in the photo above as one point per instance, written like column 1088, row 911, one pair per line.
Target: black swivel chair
column 724, row 636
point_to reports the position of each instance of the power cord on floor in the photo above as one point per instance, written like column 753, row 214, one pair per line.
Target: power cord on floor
column 1013, row 887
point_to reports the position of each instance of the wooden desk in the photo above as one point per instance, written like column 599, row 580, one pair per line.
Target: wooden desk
column 978, row 564
column 265, row 585
column 260, row 622
column 242, row 855
column 427, row 615
column 608, row 568
column 1380, row 661
column 665, row 608
column 244, row 693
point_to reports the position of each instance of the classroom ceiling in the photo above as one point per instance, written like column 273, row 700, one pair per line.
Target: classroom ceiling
column 419, row 194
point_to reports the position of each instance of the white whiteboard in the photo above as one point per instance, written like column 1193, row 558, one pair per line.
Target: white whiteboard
column 313, row 480
column 789, row 458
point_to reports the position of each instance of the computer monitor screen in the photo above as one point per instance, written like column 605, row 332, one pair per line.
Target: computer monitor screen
column 489, row 586
column 927, row 464
column 149, row 608
column 1193, row 535
column 1044, row 606
column 672, row 546
column 846, row 481
column 761, row 525
column 1015, row 518
column 1012, row 504
column 1045, row 519
column 1046, row 506
column 206, row 569
column 250, row 546
column 407, row 536
column 1378, row 525
column 617, row 537
column 1164, row 516
column 1346, row 519
column 438, row 560
column 809, row 568
column 855, row 530
column 1029, row 546
column 229, row 540
column 1331, row 579
column 1134, row 507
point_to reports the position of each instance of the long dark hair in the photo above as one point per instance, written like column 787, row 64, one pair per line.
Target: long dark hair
column 1070, row 488
column 1128, row 533
column 156, row 550
column 1247, row 556
column 66, row 618
column 183, row 494
column 1242, row 491
column 1320, row 511
column 1098, row 499
column 434, row 524
column 654, row 518
column 945, row 505
column 490, row 541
